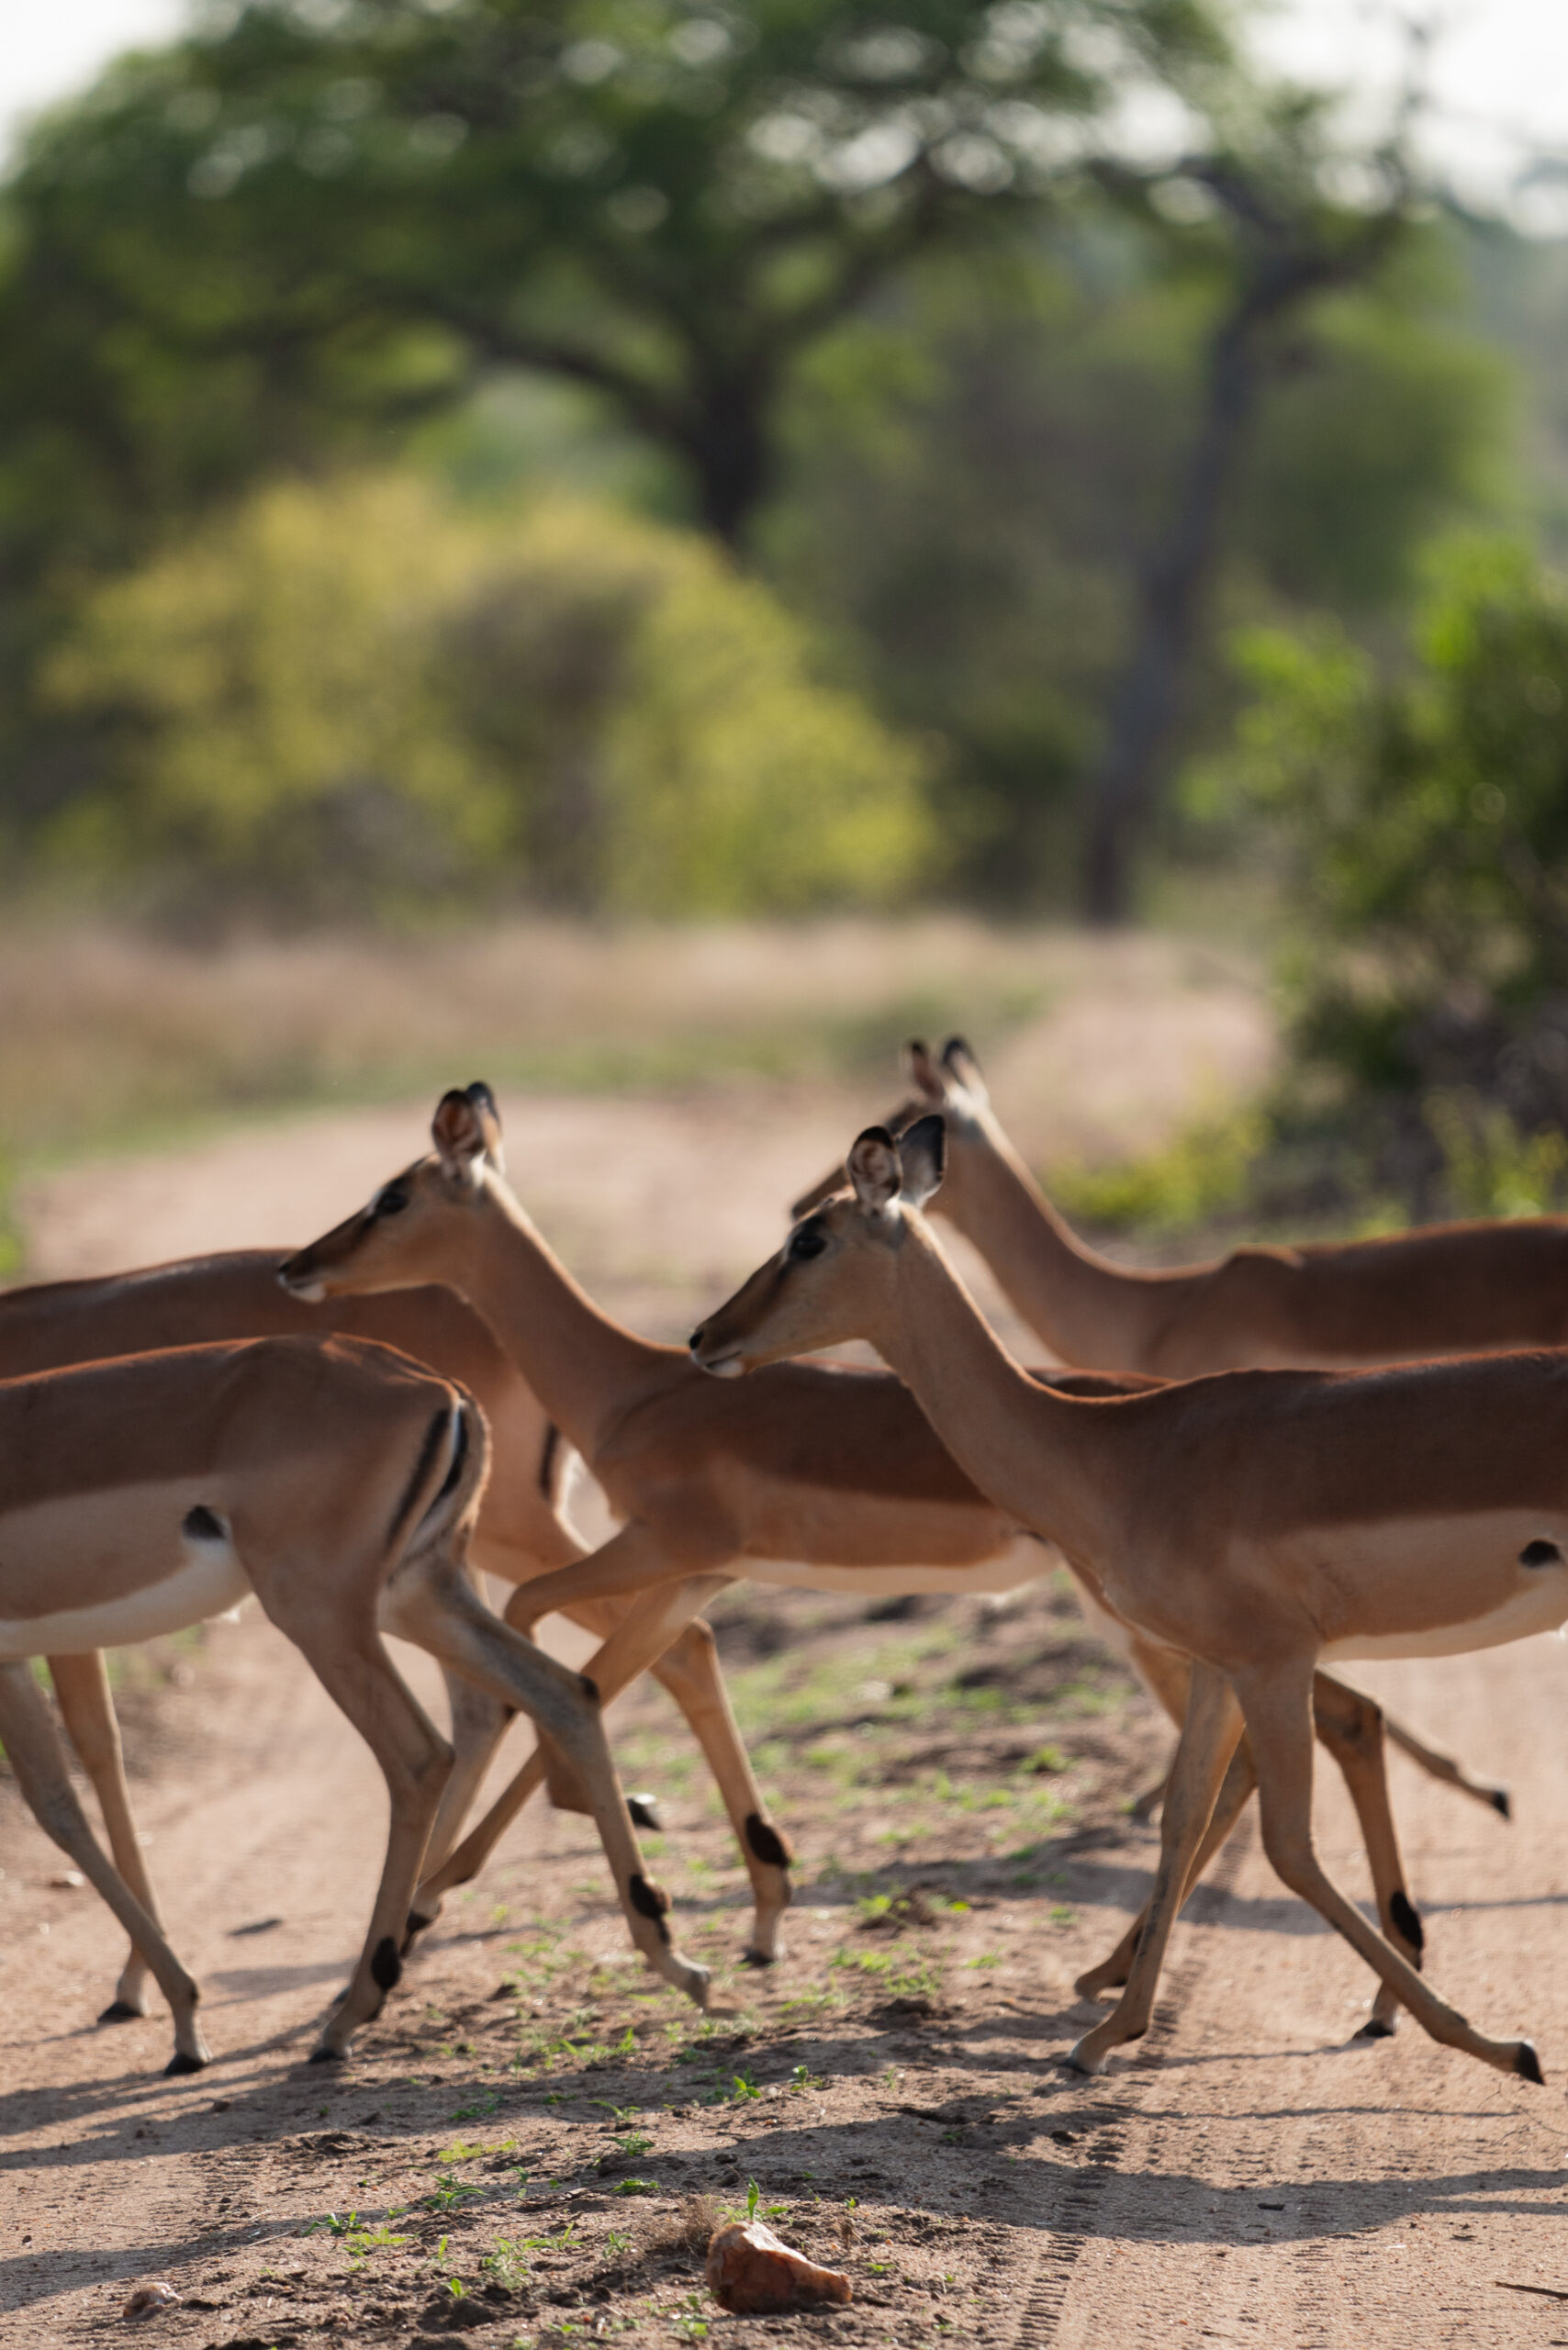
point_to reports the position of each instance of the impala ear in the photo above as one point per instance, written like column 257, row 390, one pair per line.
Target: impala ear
column 873, row 1168
column 922, row 1155
column 963, row 1068
column 457, row 1131
column 925, row 1071
column 484, row 1102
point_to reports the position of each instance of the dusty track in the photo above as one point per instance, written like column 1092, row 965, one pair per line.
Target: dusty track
column 1246, row 2176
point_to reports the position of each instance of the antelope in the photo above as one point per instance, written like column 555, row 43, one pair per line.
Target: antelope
column 338, row 1480
column 818, row 1474
column 520, row 1532
column 1260, row 1522
column 1446, row 1290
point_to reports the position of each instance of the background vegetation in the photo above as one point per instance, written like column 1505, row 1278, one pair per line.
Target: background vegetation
column 656, row 462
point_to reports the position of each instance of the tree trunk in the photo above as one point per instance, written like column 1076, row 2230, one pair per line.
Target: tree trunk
column 1146, row 705
column 729, row 448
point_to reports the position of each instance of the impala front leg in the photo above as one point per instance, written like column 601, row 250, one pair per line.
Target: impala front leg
column 645, row 1630
column 441, row 1614
column 86, row 1708
column 35, row 1754
column 1240, row 1781
column 1208, row 1740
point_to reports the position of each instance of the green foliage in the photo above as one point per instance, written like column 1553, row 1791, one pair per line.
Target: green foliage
column 1421, row 815
column 1199, row 1174
column 356, row 699
column 971, row 467
column 352, row 206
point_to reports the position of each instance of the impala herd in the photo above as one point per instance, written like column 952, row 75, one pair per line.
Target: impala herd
column 1255, row 1469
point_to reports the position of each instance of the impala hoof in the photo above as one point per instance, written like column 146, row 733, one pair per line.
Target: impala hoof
column 121, row 2011
column 1527, row 2064
column 180, row 2062
column 758, row 1958
column 645, row 1813
column 1375, row 2028
column 325, row 2055
column 1503, row 1802
column 1081, row 2058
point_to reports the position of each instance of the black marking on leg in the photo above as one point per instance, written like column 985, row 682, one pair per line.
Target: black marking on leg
column 1527, row 2064
column 649, row 1901
column 1402, row 1913
column 549, row 1461
column 766, row 1841
column 120, row 2011
column 1540, row 1555
column 326, row 2056
column 385, row 1963
column 1503, row 1801
column 180, row 2062
column 645, row 1813
column 203, row 1525
column 589, row 1687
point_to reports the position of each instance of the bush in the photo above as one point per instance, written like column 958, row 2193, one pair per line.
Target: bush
column 356, row 699
column 1422, row 817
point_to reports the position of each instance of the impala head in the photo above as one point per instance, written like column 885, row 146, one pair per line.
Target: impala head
column 402, row 1238
column 949, row 1083
column 834, row 1276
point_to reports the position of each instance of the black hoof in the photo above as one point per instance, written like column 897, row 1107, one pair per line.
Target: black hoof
column 1527, row 2064
column 416, row 1925
column 1374, row 2028
column 645, row 1813
column 325, row 2056
column 755, row 1958
column 1503, row 1801
column 180, row 2062
column 120, row 2011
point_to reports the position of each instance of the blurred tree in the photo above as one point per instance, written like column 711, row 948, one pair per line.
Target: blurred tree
column 355, row 701
column 973, row 469
column 1289, row 231
column 365, row 202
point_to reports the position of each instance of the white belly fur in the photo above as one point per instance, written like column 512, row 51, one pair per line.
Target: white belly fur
column 210, row 1582
column 1023, row 1561
column 1541, row 1606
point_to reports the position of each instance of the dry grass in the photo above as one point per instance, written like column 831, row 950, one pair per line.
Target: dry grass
column 108, row 1036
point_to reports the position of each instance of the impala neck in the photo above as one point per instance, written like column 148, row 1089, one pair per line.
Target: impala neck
column 1036, row 1455
column 1090, row 1312
column 585, row 1367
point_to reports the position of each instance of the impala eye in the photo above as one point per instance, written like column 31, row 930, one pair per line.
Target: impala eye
column 391, row 1202
column 807, row 1243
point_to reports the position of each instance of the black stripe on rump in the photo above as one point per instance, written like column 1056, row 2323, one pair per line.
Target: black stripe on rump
column 435, row 1437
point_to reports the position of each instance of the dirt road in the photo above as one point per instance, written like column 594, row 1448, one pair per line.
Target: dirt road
column 1246, row 2176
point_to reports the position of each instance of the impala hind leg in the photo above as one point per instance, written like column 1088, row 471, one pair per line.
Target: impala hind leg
column 1448, row 1769
column 86, row 1708
column 1209, row 1741
column 415, row 1761
column 1350, row 1728
column 442, row 1614
column 34, row 1752
column 1277, row 1707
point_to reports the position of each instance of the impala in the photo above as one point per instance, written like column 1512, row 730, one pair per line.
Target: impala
column 339, row 1482
column 1259, row 1522
column 520, row 1531
column 1446, row 1289
column 817, row 1474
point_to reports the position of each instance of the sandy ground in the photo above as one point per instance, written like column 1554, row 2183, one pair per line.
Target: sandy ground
column 1245, row 2176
